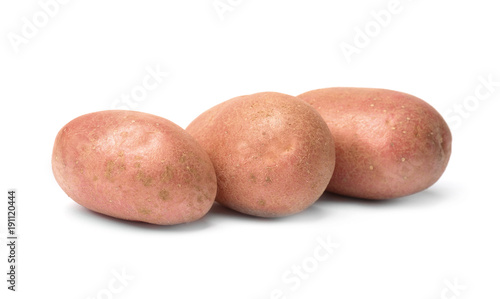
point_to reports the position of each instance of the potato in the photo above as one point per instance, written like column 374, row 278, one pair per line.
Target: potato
column 273, row 153
column 135, row 166
column 388, row 144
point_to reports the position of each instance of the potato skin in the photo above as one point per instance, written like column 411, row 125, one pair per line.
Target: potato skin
column 134, row 166
column 389, row 144
column 273, row 153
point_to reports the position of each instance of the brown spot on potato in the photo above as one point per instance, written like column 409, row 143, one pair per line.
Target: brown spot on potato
column 164, row 195
column 261, row 202
column 144, row 211
column 167, row 174
column 268, row 179
column 146, row 180
column 137, row 165
column 110, row 166
column 111, row 169
column 315, row 185
column 194, row 172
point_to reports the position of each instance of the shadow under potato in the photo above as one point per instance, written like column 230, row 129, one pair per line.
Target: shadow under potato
column 182, row 227
column 428, row 196
column 310, row 214
column 316, row 212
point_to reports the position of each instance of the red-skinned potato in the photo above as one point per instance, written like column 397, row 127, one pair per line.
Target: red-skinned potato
column 388, row 144
column 273, row 153
column 134, row 166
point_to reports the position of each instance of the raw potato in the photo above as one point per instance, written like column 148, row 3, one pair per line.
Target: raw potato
column 273, row 153
column 388, row 144
column 134, row 166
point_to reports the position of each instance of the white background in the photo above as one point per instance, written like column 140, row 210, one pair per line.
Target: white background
column 88, row 53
